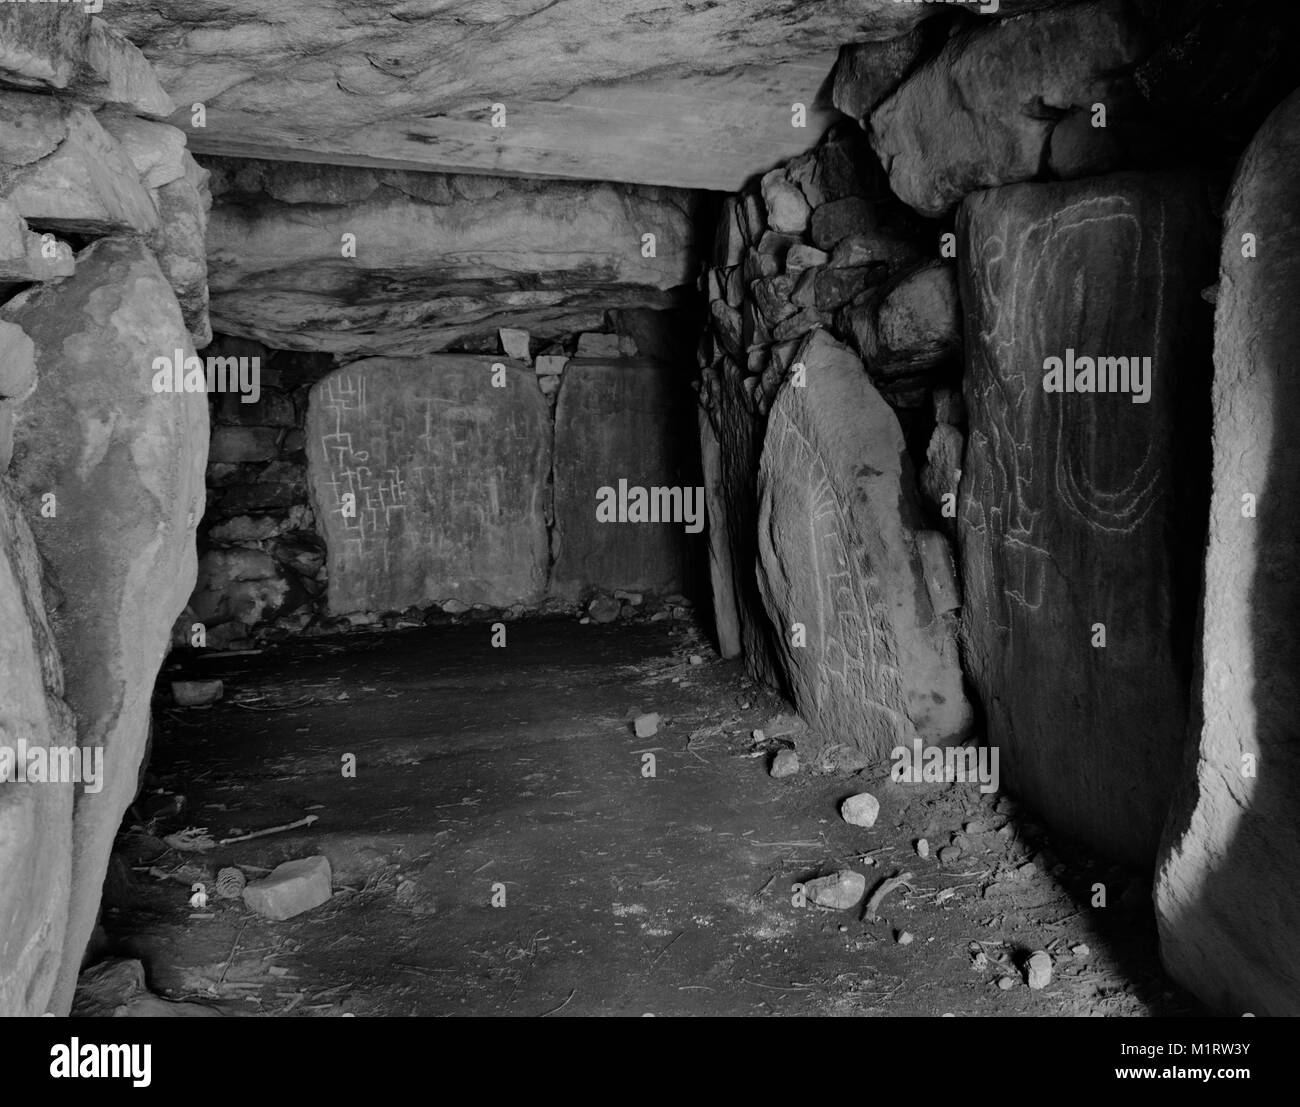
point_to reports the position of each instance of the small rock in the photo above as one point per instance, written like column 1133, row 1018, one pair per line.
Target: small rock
column 455, row 607
column 975, row 828
column 1081, row 950
column 860, row 810
column 787, row 210
column 922, row 848
column 696, row 659
column 801, row 257
column 843, row 760
column 604, row 609
column 1006, row 983
column 291, row 889
column 1038, row 970
column 949, row 854
column 839, row 891
column 1026, row 871
column 757, row 736
column 785, row 763
column 514, row 343
column 636, row 599
column 646, row 726
column 550, row 365
column 905, row 938
column 595, row 344
column 196, row 693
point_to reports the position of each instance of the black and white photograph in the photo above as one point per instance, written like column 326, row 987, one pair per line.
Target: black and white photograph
column 649, row 508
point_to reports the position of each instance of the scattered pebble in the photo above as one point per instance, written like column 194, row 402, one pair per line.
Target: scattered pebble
column 291, row 889
column 696, row 659
column 839, row 891
column 975, row 827
column 758, row 736
column 785, row 763
column 922, row 848
column 1006, row 983
column 1038, row 970
column 1081, row 950
column 1027, row 870
column 949, row 854
column 604, row 609
column 646, row 726
column 860, row 810
column 196, row 693
column 905, row 938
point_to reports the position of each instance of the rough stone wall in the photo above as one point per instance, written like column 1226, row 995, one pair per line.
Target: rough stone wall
column 102, row 270
column 1227, row 895
column 821, row 248
column 278, row 559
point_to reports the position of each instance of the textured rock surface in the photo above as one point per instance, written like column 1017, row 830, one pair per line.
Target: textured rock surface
column 594, row 89
column 417, row 87
column 865, row 73
column 837, row 554
column 449, row 479
column 60, row 46
column 732, row 507
column 981, row 112
column 1227, row 893
column 614, row 421
column 432, row 267
column 126, row 467
column 291, row 889
column 35, row 818
column 88, row 184
column 1079, row 509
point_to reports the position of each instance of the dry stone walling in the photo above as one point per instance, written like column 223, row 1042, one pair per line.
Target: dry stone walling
column 1227, row 898
column 1071, row 461
column 106, row 473
column 827, row 573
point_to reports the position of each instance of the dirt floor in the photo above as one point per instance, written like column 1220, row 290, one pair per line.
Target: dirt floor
column 513, row 775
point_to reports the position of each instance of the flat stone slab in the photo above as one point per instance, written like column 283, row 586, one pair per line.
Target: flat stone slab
column 618, row 420
column 446, row 476
column 868, row 660
column 291, row 889
column 1080, row 510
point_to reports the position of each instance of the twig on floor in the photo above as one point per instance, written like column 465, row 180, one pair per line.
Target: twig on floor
column 231, row 956
column 561, row 1007
column 666, row 948
column 306, row 820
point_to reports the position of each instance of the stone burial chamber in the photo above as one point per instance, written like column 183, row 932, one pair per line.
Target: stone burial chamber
column 462, row 464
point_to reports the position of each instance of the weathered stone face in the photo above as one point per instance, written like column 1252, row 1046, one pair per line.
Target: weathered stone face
column 1081, row 509
column 875, row 667
column 592, row 89
column 448, row 476
column 35, row 817
column 981, row 113
column 432, row 268
column 614, row 421
column 125, row 465
column 1227, row 894
column 732, row 505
